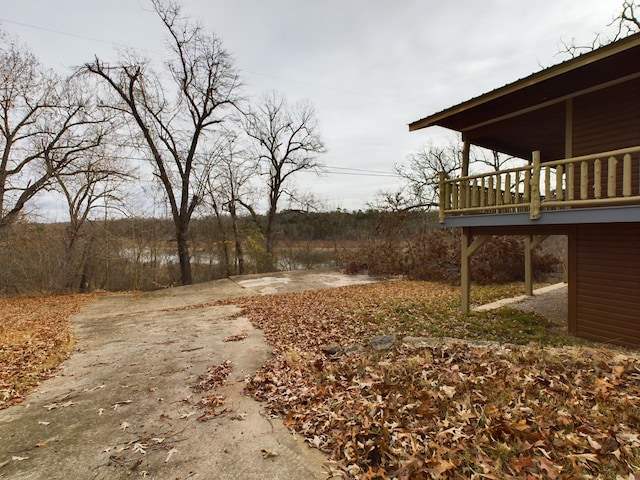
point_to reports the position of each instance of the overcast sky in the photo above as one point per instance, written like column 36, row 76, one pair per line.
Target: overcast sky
column 370, row 67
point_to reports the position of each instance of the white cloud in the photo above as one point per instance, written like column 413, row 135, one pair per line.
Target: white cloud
column 369, row 66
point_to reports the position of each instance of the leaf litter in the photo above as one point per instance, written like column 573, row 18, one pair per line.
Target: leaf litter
column 34, row 338
column 214, row 378
column 553, row 407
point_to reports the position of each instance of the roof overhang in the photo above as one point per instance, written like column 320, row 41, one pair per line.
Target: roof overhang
column 536, row 104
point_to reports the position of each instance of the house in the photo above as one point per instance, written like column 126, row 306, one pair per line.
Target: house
column 578, row 126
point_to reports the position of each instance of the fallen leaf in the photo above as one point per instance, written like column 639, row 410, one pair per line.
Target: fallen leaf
column 236, row 338
column 124, row 402
column 268, row 453
column 55, row 405
column 170, row 454
column 139, row 448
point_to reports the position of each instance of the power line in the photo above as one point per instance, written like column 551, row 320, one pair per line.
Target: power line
column 60, row 32
column 328, row 169
column 347, row 169
column 121, row 45
column 359, row 174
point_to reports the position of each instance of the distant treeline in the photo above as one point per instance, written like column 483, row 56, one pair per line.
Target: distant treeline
column 139, row 253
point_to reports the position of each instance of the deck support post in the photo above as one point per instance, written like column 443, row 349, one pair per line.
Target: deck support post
column 442, row 197
column 469, row 246
column 534, row 212
column 530, row 242
column 466, row 152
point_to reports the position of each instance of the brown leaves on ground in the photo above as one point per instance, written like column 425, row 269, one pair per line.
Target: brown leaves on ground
column 34, row 338
column 214, row 378
column 457, row 409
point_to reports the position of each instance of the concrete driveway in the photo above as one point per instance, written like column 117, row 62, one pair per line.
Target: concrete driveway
column 123, row 405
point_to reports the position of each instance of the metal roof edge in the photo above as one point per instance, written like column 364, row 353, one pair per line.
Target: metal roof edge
column 535, row 78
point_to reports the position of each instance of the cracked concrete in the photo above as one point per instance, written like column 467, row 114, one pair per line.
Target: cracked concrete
column 122, row 405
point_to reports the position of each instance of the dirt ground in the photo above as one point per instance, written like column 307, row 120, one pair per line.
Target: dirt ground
column 123, row 405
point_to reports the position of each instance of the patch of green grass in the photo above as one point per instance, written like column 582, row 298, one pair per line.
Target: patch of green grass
column 508, row 325
column 439, row 315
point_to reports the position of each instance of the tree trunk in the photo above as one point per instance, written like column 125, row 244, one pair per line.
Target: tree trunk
column 238, row 243
column 183, row 256
column 223, row 251
column 270, row 241
column 239, row 257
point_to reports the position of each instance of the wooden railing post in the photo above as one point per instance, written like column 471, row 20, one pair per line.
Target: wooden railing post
column 571, row 178
column 527, row 186
column 626, row 175
column 507, row 189
column 491, row 194
column 534, row 211
column 611, row 176
column 455, row 197
column 547, row 183
column 559, row 183
column 584, row 180
column 597, row 179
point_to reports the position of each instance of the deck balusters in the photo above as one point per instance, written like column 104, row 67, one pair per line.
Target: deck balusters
column 568, row 183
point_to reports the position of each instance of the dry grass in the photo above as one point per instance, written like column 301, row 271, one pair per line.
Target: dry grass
column 34, row 338
column 550, row 407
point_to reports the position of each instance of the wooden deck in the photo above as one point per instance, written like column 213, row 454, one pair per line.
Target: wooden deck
column 605, row 179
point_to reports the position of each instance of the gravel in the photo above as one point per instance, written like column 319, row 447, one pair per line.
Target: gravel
column 550, row 302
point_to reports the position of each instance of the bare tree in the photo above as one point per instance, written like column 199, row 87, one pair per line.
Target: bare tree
column 175, row 127
column 285, row 141
column 626, row 23
column 95, row 184
column 421, row 174
column 44, row 125
column 230, row 188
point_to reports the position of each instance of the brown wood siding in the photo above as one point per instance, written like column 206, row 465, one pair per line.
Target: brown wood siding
column 607, row 120
column 607, row 283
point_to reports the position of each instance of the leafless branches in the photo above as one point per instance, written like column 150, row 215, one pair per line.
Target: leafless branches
column 46, row 123
column 285, row 140
column 625, row 23
column 177, row 133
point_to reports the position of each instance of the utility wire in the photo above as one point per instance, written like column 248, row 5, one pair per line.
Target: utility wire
column 60, row 32
column 121, row 45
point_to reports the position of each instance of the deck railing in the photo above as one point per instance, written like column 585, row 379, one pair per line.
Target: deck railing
column 603, row 179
